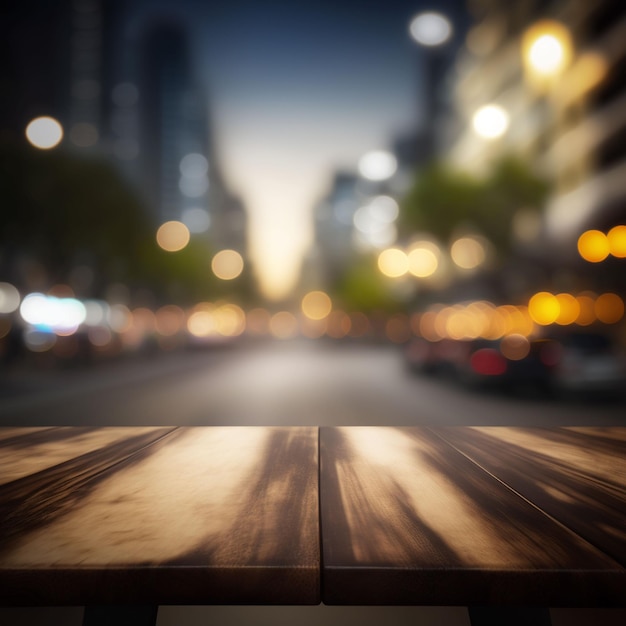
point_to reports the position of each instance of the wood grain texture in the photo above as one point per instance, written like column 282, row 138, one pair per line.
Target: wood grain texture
column 409, row 519
column 165, row 515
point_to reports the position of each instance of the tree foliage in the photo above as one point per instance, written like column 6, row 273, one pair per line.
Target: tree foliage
column 444, row 199
column 62, row 212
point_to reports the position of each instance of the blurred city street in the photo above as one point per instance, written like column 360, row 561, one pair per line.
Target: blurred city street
column 321, row 214
column 312, row 383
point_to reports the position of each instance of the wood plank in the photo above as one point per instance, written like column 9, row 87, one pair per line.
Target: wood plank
column 201, row 515
column 407, row 519
column 576, row 475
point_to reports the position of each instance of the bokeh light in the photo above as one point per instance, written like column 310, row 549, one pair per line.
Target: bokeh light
column 44, row 132
column 546, row 48
column 393, row 262
column 491, row 121
column 515, row 347
column 587, row 314
column 173, row 236
column 84, row 135
column 194, row 165
column 593, row 246
column 170, row 320
column 544, row 308
column 197, row 220
column 48, row 313
column 569, row 309
column 227, row 264
column 201, row 323
column 193, row 187
column 283, row 325
column 9, row 298
column 423, row 261
column 230, row 320
column 258, row 322
column 609, row 308
column 430, row 29
column 339, row 325
column 378, row 165
column 468, row 253
column 617, row 241
column 316, row 305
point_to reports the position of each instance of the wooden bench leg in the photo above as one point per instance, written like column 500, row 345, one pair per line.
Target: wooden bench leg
column 120, row 615
column 508, row 616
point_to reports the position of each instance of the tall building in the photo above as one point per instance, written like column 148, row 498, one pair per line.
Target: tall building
column 570, row 125
column 180, row 172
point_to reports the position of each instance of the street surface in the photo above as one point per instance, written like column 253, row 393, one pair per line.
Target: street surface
column 277, row 384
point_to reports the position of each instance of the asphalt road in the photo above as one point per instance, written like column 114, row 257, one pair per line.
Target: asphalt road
column 276, row 384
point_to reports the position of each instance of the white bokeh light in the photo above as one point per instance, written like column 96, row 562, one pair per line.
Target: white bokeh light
column 491, row 121
column 44, row 132
column 197, row 220
column 378, row 165
column 430, row 29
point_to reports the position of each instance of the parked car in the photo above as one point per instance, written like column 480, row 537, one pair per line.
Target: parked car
column 587, row 362
column 508, row 362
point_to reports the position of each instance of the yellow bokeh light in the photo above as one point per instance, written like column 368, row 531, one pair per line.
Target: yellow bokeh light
column 617, row 241
column 44, row 133
column 569, row 309
column 422, row 262
column 172, row 236
column 468, row 253
column 230, row 320
column 587, row 314
column 393, row 263
column 593, row 246
column 609, row 308
column 427, row 328
column 316, row 305
column 491, row 121
column 227, row 264
column 544, row 308
column 546, row 49
column 201, row 324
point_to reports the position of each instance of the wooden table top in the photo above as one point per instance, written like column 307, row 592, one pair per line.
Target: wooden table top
column 230, row 515
column 159, row 515
column 473, row 516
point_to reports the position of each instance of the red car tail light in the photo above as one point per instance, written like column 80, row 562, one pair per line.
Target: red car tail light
column 488, row 362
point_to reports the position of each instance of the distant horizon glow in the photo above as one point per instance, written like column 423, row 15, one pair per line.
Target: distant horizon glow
column 294, row 102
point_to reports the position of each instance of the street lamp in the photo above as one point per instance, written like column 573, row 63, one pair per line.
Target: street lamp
column 546, row 50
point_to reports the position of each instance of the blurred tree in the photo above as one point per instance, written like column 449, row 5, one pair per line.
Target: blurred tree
column 445, row 199
column 440, row 200
column 363, row 288
column 61, row 212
